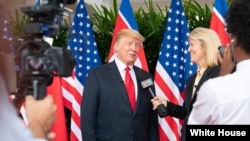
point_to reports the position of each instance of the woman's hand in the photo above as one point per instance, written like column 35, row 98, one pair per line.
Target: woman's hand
column 157, row 100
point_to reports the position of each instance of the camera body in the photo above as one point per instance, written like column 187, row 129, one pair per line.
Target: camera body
column 38, row 58
column 46, row 19
column 221, row 50
column 39, row 61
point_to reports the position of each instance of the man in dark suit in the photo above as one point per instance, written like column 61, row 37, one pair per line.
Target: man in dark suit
column 106, row 113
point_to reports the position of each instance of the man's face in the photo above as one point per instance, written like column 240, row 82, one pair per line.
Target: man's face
column 127, row 50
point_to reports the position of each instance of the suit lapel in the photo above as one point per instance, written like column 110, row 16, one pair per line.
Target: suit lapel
column 140, row 92
column 119, row 84
column 138, row 100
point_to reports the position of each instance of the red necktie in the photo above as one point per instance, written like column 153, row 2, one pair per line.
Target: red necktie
column 130, row 88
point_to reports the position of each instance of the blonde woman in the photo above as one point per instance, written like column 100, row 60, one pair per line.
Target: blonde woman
column 203, row 47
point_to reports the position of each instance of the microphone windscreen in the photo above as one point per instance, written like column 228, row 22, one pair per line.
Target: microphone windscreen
column 146, row 83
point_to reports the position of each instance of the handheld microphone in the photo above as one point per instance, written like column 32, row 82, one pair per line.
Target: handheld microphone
column 160, row 108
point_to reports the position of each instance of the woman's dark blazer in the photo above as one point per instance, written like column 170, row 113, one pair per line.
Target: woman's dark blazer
column 182, row 112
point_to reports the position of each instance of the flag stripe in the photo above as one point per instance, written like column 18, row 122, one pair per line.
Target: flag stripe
column 162, row 131
column 59, row 127
column 73, row 137
column 76, row 114
column 174, row 124
column 123, row 20
column 67, row 91
column 218, row 16
column 165, row 88
column 126, row 20
column 75, row 126
column 217, row 22
column 166, row 128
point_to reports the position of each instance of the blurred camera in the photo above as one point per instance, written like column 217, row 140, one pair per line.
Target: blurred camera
column 39, row 60
column 221, row 50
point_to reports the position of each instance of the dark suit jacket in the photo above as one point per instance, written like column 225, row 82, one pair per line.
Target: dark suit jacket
column 106, row 114
column 182, row 112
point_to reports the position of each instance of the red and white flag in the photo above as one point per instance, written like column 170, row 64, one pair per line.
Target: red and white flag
column 59, row 127
column 126, row 20
column 217, row 22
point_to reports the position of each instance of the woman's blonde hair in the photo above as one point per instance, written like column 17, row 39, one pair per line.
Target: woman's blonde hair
column 210, row 42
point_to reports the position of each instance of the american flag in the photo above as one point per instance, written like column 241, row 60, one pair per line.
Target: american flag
column 7, row 51
column 84, row 48
column 173, row 68
column 5, row 32
column 126, row 20
column 217, row 22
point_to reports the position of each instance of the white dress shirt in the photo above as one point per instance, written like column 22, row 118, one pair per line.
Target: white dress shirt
column 12, row 127
column 225, row 99
column 121, row 67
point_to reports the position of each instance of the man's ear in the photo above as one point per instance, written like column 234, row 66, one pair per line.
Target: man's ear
column 116, row 47
column 233, row 41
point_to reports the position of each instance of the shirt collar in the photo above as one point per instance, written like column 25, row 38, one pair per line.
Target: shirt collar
column 200, row 71
column 121, row 66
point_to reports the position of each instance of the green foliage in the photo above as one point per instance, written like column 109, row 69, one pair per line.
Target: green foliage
column 229, row 2
column 103, row 20
column 151, row 23
column 197, row 16
column 60, row 40
column 17, row 24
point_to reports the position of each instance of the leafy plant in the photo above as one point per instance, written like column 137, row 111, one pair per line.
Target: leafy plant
column 60, row 40
column 17, row 24
column 151, row 23
column 103, row 21
column 197, row 16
